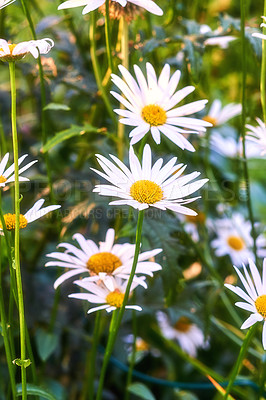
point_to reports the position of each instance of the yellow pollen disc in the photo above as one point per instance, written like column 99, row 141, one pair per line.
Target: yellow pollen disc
column 103, row 262
column 236, row 243
column 115, row 299
column 141, row 345
column 11, row 47
column 154, row 115
column 10, row 221
column 2, row 179
column 212, row 120
column 145, row 191
column 183, row 325
column 260, row 304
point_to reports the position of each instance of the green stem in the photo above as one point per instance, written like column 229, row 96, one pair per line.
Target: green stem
column 108, row 36
column 133, row 353
column 5, row 337
column 116, row 321
column 239, row 360
column 108, row 353
column 96, row 67
column 263, row 71
column 91, row 360
column 17, row 212
column 243, row 121
column 43, row 104
column 125, row 62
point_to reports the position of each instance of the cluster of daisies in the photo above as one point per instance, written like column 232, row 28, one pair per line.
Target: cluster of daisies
column 150, row 104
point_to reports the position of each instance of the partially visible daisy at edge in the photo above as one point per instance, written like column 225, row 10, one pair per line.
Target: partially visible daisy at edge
column 234, row 239
column 109, row 298
column 91, row 5
column 257, row 135
column 144, row 186
column 151, row 106
column 262, row 25
column 219, row 115
column 14, row 52
column 189, row 336
column 8, row 176
column 4, row 3
column 254, row 296
column 31, row 215
column 103, row 261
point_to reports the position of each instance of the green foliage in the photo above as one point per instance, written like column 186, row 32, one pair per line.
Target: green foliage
column 141, row 391
column 33, row 390
column 46, row 343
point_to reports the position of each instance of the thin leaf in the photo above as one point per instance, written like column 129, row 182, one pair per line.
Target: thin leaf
column 57, row 107
column 74, row 130
column 35, row 391
column 140, row 390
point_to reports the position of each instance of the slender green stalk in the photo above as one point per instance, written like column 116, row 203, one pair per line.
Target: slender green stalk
column 108, row 36
column 239, row 360
column 5, row 336
column 43, row 104
column 263, row 71
column 123, row 27
column 117, row 317
column 17, row 213
column 133, row 353
column 96, row 67
column 108, row 353
column 88, row 385
column 243, row 122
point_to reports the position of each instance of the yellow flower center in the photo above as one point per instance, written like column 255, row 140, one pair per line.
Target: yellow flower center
column 10, row 222
column 210, row 119
column 145, row 191
column 154, row 115
column 183, row 325
column 2, row 179
column 260, row 304
column 115, row 298
column 141, row 345
column 236, row 243
column 103, row 262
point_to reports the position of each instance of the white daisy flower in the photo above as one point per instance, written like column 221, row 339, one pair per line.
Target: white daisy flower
column 91, row 5
column 255, row 296
column 4, row 3
column 234, row 238
column 260, row 35
column 103, row 261
column 218, row 115
column 7, row 176
column 147, row 186
column 109, row 296
column 31, row 215
column 151, row 106
column 14, row 52
column 229, row 147
column 189, row 335
column 257, row 135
